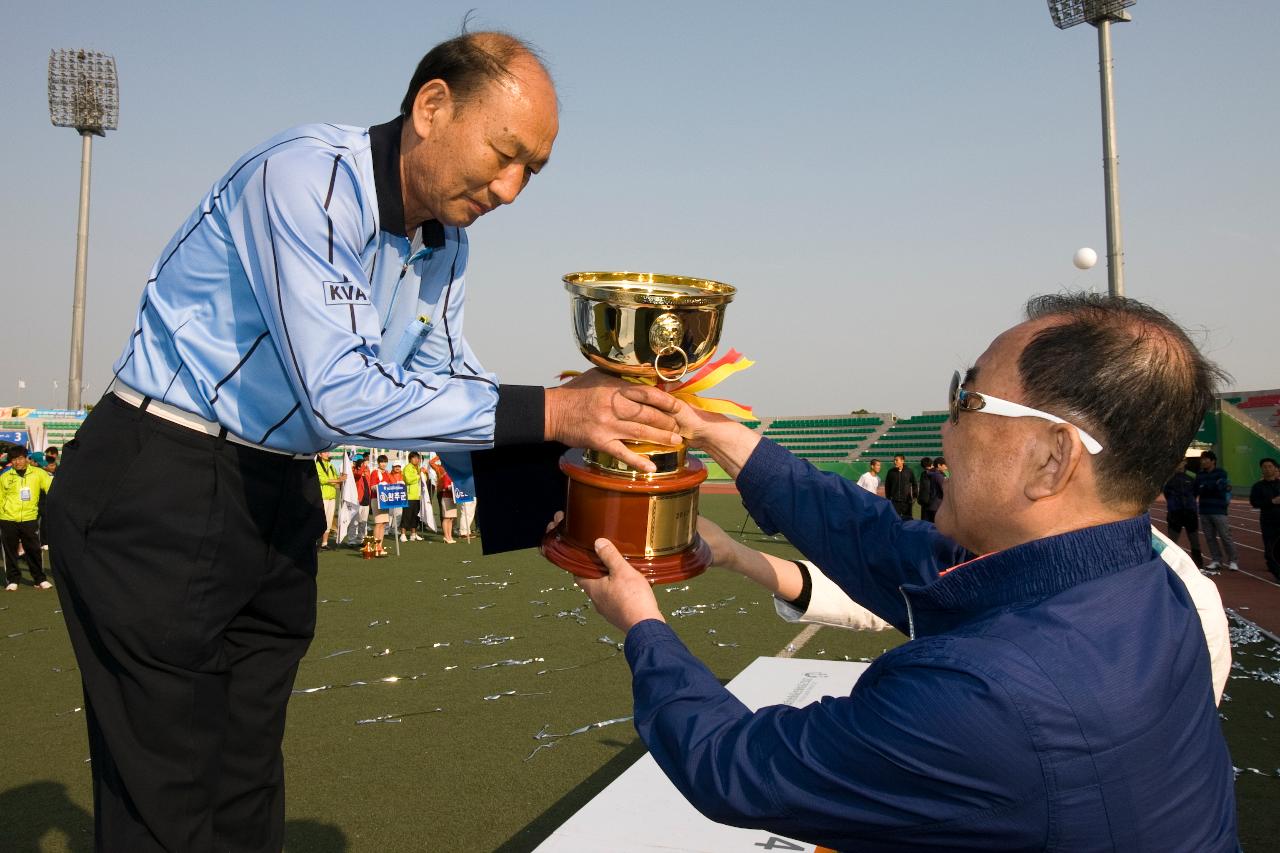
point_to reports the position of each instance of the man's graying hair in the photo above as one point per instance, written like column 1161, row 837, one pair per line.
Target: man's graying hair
column 1127, row 375
column 469, row 63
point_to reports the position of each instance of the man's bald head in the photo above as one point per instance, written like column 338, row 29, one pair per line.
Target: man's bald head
column 470, row 62
column 1128, row 375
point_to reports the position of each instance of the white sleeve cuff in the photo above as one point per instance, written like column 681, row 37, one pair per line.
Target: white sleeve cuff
column 829, row 605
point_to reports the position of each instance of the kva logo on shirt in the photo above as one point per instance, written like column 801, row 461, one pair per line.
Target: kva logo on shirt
column 344, row 293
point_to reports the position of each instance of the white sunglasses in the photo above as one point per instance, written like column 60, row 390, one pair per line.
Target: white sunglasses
column 960, row 400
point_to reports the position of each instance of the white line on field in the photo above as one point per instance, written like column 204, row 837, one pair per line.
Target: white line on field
column 798, row 643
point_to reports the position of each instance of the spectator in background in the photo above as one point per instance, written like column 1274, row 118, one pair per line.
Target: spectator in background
column 21, row 488
column 1265, row 496
column 50, row 455
column 900, row 487
column 937, row 476
column 1180, row 508
column 924, row 496
column 871, row 479
column 413, row 486
column 448, row 509
column 1213, row 490
column 466, row 513
column 360, row 525
column 381, row 517
column 330, row 481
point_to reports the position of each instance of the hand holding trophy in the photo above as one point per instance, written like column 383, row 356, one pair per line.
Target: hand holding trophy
column 653, row 326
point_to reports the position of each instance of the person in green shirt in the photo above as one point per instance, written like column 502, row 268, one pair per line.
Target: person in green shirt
column 21, row 488
column 413, row 483
column 330, row 481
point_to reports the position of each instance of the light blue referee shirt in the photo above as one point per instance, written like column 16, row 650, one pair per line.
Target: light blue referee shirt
column 292, row 309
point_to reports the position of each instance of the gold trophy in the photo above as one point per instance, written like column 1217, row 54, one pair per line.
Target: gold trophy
column 645, row 325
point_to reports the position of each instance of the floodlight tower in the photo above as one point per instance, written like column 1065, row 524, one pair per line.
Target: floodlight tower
column 1101, row 13
column 84, row 94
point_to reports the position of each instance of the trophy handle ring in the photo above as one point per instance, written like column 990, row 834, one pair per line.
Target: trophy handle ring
column 684, row 366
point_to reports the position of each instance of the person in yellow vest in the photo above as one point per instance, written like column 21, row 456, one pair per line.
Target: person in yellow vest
column 413, row 483
column 329, row 483
column 21, row 488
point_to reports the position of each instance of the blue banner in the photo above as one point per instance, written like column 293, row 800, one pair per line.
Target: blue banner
column 458, row 464
column 393, row 495
column 14, row 437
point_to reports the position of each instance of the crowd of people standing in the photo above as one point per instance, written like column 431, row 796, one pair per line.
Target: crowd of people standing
column 430, row 494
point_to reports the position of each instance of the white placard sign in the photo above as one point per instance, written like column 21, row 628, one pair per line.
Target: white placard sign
column 642, row 812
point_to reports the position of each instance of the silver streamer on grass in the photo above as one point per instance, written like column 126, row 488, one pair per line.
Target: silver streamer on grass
column 385, row 652
column 577, row 614
column 608, row 641
column 698, row 609
column 390, row 679
column 24, row 633
column 397, row 718
column 510, row 662
column 551, row 739
column 490, row 640
column 335, row 601
column 497, row 696
column 719, row 644
column 487, row 606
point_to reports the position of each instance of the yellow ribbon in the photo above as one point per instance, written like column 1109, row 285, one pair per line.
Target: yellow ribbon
column 704, row 379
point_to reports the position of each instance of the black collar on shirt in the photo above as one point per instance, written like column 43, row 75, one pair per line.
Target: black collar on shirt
column 384, row 148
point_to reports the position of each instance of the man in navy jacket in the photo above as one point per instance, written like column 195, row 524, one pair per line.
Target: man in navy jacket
column 1056, row 691
column 1213, row 490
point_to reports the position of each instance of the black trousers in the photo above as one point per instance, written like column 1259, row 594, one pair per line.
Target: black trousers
column 409, row 518
column 1271, row 547
column 186, row 568
column 28, row 533
column 903, row 508
column 1189, row 520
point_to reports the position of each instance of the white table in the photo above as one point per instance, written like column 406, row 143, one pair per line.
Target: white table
column 641, row 811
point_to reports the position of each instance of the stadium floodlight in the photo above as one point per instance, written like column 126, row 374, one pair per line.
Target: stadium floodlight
column 1101, row 14
column 84, row 94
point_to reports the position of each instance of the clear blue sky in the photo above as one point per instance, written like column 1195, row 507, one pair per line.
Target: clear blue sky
column 885, row 183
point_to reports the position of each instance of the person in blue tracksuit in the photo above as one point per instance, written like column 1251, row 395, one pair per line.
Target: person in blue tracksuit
column 314, row 297
column 1056, row 691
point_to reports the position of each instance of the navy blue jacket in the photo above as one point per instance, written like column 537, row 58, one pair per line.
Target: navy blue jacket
column 1055, row 696
column 1213, row 488
column 1179, row 493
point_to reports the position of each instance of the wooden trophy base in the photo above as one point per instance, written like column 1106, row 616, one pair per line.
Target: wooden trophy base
column 652, row 521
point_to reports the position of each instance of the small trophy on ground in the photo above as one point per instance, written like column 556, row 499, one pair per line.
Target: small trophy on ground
column 655, row 328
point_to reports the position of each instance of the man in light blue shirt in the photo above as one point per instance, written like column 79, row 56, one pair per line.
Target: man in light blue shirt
column 315, row 297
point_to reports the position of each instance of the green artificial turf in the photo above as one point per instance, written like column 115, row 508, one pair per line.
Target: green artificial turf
column 469, row 776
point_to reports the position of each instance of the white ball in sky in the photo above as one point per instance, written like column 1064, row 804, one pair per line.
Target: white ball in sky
column 1085, row 259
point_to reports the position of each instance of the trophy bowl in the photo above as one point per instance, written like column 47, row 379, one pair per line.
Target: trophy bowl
column 647, row 324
